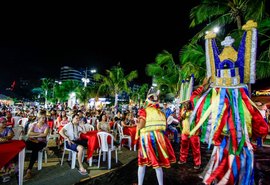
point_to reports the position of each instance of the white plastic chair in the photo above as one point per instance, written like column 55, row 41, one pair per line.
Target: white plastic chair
column 18, row 132
column 122, row 136
column 23, row 121
column 88, row 127
column 16, row 120
column 105, row 147
column 40, row 154
column 71, row 154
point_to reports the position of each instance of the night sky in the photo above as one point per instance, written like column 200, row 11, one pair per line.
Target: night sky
column 42, row 39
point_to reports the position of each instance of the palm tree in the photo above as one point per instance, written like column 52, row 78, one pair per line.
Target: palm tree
column 227, row 12
column 165, row 73
column 115, row 82
column 139, row 94
column 37, row 91
column 192, row 60
column 46, row 86
column 263, row 64
column 85, row 93
column 61, row 92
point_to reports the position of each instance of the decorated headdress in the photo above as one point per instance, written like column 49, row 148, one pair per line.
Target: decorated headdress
column 153, row 94
column 230, row 68
column 186, row 89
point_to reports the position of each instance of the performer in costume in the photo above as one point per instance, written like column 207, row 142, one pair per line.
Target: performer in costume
column 186, row 141
column 226, row 115
column 154, row 148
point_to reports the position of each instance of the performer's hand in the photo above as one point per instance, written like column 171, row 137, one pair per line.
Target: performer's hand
column 206, row 83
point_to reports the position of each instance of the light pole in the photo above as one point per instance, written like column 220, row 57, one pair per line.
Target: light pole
column 55, row 82
column 85, row 79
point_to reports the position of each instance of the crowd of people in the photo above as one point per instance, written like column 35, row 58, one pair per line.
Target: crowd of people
column 68, row 124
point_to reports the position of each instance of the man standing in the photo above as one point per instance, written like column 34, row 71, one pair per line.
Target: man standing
column 154, row 149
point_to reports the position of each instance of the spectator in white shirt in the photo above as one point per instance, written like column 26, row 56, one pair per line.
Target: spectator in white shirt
column 71, row 134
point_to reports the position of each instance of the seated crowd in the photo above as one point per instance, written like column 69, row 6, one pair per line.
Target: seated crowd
column 68, row 124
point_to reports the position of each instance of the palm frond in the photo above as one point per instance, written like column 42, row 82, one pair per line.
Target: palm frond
column 164, row 58
column 206, row 10
column 262, row 69
column 218, row 22
column 153, row 69
column 131, row 76
column 255, row 10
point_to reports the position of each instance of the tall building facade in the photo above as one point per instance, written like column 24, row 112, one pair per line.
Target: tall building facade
column 69, row 73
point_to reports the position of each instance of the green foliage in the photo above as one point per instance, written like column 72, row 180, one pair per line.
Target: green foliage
column 192, row 57
column 85, row 93
column 220, row 13
column 226, row 13
column 61, row 92
column 115, row 81
column 139, row 95
column 165, row 73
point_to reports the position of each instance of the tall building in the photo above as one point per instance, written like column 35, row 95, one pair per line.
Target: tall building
column 69, row 73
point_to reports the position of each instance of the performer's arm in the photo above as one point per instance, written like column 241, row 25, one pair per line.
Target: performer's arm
column 141, row 123
column 200, row 90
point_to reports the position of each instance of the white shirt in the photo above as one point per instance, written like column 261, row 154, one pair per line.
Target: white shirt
column 72, row 131
column 171, row 120
column 263, row 113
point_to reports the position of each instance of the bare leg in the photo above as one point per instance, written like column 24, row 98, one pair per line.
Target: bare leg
column 80, row 152
column 141, row 172
column 159, row 173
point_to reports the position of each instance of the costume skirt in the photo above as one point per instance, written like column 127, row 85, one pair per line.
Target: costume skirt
column 155, row 150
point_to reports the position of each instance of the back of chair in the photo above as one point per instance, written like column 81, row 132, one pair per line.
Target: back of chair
column 120, row 129
column 103, row 141
column 18, row 132
column 23, row 121
column 115, row 125
column 89, row 127
column 16, row 120
column 65, row 145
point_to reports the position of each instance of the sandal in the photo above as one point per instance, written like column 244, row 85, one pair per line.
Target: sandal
column 84, row 172
column 181, row 162
column 6, row 178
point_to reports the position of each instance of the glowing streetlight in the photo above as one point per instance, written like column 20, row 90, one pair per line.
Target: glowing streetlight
column 58, row 82
column 216, row 29
column 85, row 81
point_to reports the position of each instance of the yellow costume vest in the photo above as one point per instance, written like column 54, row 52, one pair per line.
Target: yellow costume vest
column 186, row 125
column 155, row 120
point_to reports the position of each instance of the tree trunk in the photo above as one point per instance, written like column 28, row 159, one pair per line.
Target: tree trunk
column 115, row 102
column 239, row 22
column 46, row 99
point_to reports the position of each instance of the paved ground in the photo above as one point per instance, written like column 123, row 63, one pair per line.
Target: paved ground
column 52, row 173
column 181, row 174
column 125, row 171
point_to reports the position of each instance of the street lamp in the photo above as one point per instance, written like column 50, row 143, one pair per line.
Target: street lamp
column 85, row 79
column 58, row 82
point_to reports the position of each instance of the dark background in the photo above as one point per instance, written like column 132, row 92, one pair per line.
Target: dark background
column 37, row 40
